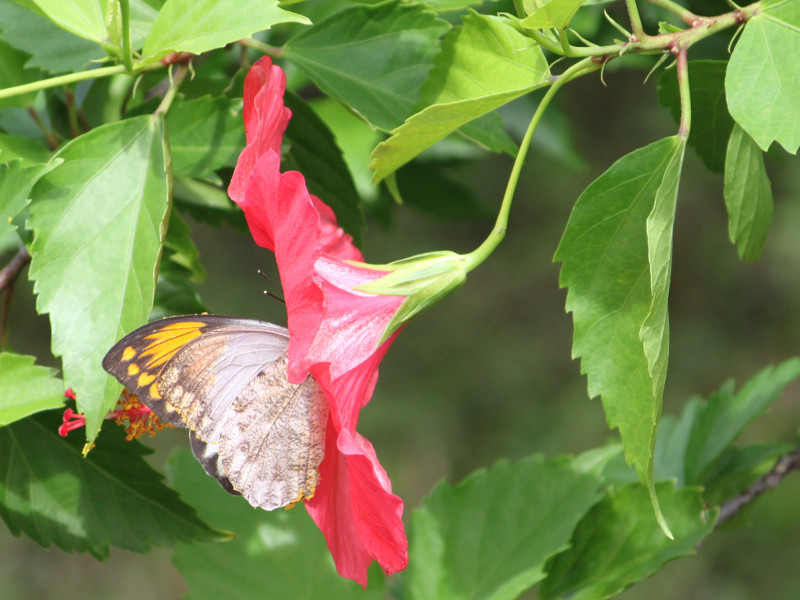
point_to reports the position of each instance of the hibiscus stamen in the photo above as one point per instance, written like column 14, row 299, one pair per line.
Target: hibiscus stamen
column 135, row 417
column 71, row 420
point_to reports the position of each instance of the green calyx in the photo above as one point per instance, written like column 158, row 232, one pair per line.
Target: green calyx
column 423, row 279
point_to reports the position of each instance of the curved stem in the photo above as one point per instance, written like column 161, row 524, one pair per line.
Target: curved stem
column 175, row 83
column 482, row 252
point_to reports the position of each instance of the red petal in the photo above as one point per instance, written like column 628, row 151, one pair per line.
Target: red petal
column 265, row 120
column 356, row 511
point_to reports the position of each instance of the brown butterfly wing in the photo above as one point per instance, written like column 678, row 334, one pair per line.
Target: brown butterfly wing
column 225, row 379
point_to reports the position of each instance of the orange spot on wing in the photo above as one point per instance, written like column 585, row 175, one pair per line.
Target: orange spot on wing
column 128, row 353
column 133, row 369
column 154, row 393
column 165, row 342
column 145, row 379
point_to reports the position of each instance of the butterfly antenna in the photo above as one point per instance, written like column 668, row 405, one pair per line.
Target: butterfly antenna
column 269, row 292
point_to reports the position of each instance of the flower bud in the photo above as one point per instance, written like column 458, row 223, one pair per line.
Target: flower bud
column 424, row 279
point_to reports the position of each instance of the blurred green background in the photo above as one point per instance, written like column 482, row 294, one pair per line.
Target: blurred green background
column 488, row 373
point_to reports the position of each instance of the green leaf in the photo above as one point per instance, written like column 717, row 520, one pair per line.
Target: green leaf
column 179, row 249
column 84, row 18
column 279, row 554
column 373, row 58
column 26, row 388
column 98, row 221
column 205, row 134
column 619, row 542
column 207, row 202
column 50, row 492
column 655, row 329
column 761, row 83
column 180, row 266
column 619, row 227
column 719, row 421
column 488, row 131
column 711, row 123
column 426, row 186
column 13, row 73
column 201, row 25
column 452, row 5
column 748, row 195
column 489, row 536
column 50, row 47
column 16, row 181
column 483, row 64
column 552, row 14
column 14, row 146
column 354, row 137
column 314, row 152
column 174, row 294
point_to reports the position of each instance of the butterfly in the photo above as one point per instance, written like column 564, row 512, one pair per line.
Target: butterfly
column 224, row 378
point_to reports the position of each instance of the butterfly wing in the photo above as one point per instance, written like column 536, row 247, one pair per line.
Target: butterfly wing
column 225, row 379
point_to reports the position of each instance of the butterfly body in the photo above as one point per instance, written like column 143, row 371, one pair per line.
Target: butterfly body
column 224, row 378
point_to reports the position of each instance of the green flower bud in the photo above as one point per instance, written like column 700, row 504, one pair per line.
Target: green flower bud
column 424, row 280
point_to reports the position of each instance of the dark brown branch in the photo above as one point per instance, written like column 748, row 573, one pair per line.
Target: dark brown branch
column 11, row 271
column 785, row 465
column 8, row 275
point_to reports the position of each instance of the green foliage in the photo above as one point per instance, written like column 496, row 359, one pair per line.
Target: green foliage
column 53, row 494
column 16, row 181
column 711, row 123
column 98, row 220
column 84, row 18
column 619, row 542
column 313, row 150
column 105, row 170
column 50, row 47
column 483, row 64
column 12, row 74
column 372, row 58
column 550, row 13
column 762, row 89
column 26, row 388
column 280, row 551
column 194, row 25
column 204, row 136
column 616, row 261
column 717, row 423
column 748, row 195
column 490, row 536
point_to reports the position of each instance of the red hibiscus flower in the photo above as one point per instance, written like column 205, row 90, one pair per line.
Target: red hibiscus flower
column 338, row 333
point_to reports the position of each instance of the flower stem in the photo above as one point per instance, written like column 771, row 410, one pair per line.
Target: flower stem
column 482, row 252
column 61, row 80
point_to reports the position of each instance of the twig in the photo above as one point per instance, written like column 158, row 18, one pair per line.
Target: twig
column 785, row 465
column 8, row 275
column 10, row 272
